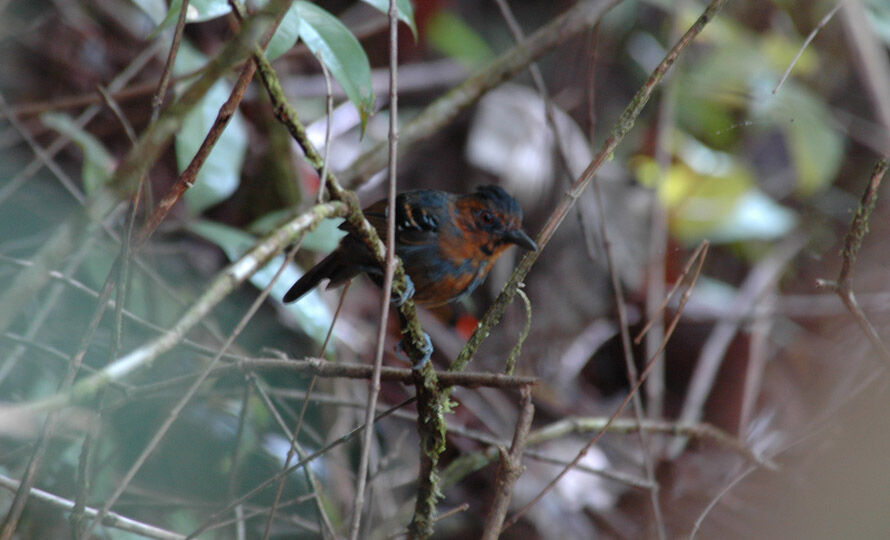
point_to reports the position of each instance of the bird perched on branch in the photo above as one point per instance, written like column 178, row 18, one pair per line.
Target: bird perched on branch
column 447, row 243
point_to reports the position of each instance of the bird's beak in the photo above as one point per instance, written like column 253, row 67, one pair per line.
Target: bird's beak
column 521, row 239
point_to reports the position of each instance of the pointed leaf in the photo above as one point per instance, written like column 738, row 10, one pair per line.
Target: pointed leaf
column 311, row 312
column 404, row 8
column 221, row 173
column 285, row 35
column 341, row 52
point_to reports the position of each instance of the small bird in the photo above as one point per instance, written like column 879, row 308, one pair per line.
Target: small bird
column 447, row 243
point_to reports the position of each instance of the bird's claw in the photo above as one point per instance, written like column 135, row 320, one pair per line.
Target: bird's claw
column 426, row 349
column 399, row 300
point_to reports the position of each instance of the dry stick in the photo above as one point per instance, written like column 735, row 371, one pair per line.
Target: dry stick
column 658, row 230
column 510, row 364
column 10, row 522
column 805, row 44
column 115, row 108
column 208, row 523
column 122, row 93
column 699, row 255
column 230, row 278
column 701, row 518
column 320, row 368
column 630, row 366
column 430, row 405
column 713, row 351
column 56, row 353
column 114, row 520
column 624, row 425
column 471, row 462
column 187, row 178
column 96, row 207
column 758, row 355
column 624, row 125
column 158, row 99
column 510, row 470
column 852, row 242
column 388, row 269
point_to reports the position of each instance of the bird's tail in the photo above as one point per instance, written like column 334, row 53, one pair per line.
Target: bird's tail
column 327, row 268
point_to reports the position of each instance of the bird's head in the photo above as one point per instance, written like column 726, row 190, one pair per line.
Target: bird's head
column 495, row 218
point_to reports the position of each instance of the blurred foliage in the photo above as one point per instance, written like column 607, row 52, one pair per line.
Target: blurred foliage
column 747, row 165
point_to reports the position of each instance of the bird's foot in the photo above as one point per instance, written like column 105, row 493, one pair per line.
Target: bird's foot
column 399, row 299
column 426, row 349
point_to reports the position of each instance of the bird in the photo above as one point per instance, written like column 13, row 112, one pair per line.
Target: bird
column 447, row 243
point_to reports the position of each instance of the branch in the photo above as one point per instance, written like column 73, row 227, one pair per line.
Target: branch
column 852, row 243
column 110, row 520
column 510, row 469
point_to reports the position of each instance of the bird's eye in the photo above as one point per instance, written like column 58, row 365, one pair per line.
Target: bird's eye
column 487, row 217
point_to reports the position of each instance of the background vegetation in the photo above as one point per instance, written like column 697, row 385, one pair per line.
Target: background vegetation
column 146, row 378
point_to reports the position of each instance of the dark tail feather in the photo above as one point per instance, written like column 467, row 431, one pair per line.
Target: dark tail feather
column 325, row 269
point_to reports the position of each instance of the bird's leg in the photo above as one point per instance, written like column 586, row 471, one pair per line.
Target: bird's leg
column 426, row 349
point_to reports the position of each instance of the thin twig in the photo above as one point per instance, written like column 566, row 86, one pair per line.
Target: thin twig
column 658, row 229
column 209, row 522
column 229, row 279
column 324, row 521
column 174, row 413
column 701, row 518
column 517, row 349
column 112, row 519
column 388, row 269
column 510, row 470
column 158, row 98
column 852, row 243
column 700, row 257
column 712, row 354
column 805, row 44
column 622, row 127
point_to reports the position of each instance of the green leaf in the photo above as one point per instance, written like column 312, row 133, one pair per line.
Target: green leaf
column 341, row 52
column 311, row 312
column 285, row 35
column 98, row 163
column 404, row 8
column 453, row 37
column 221, row 173
column 198, row 11
column 155, row 9
column 324, row 237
